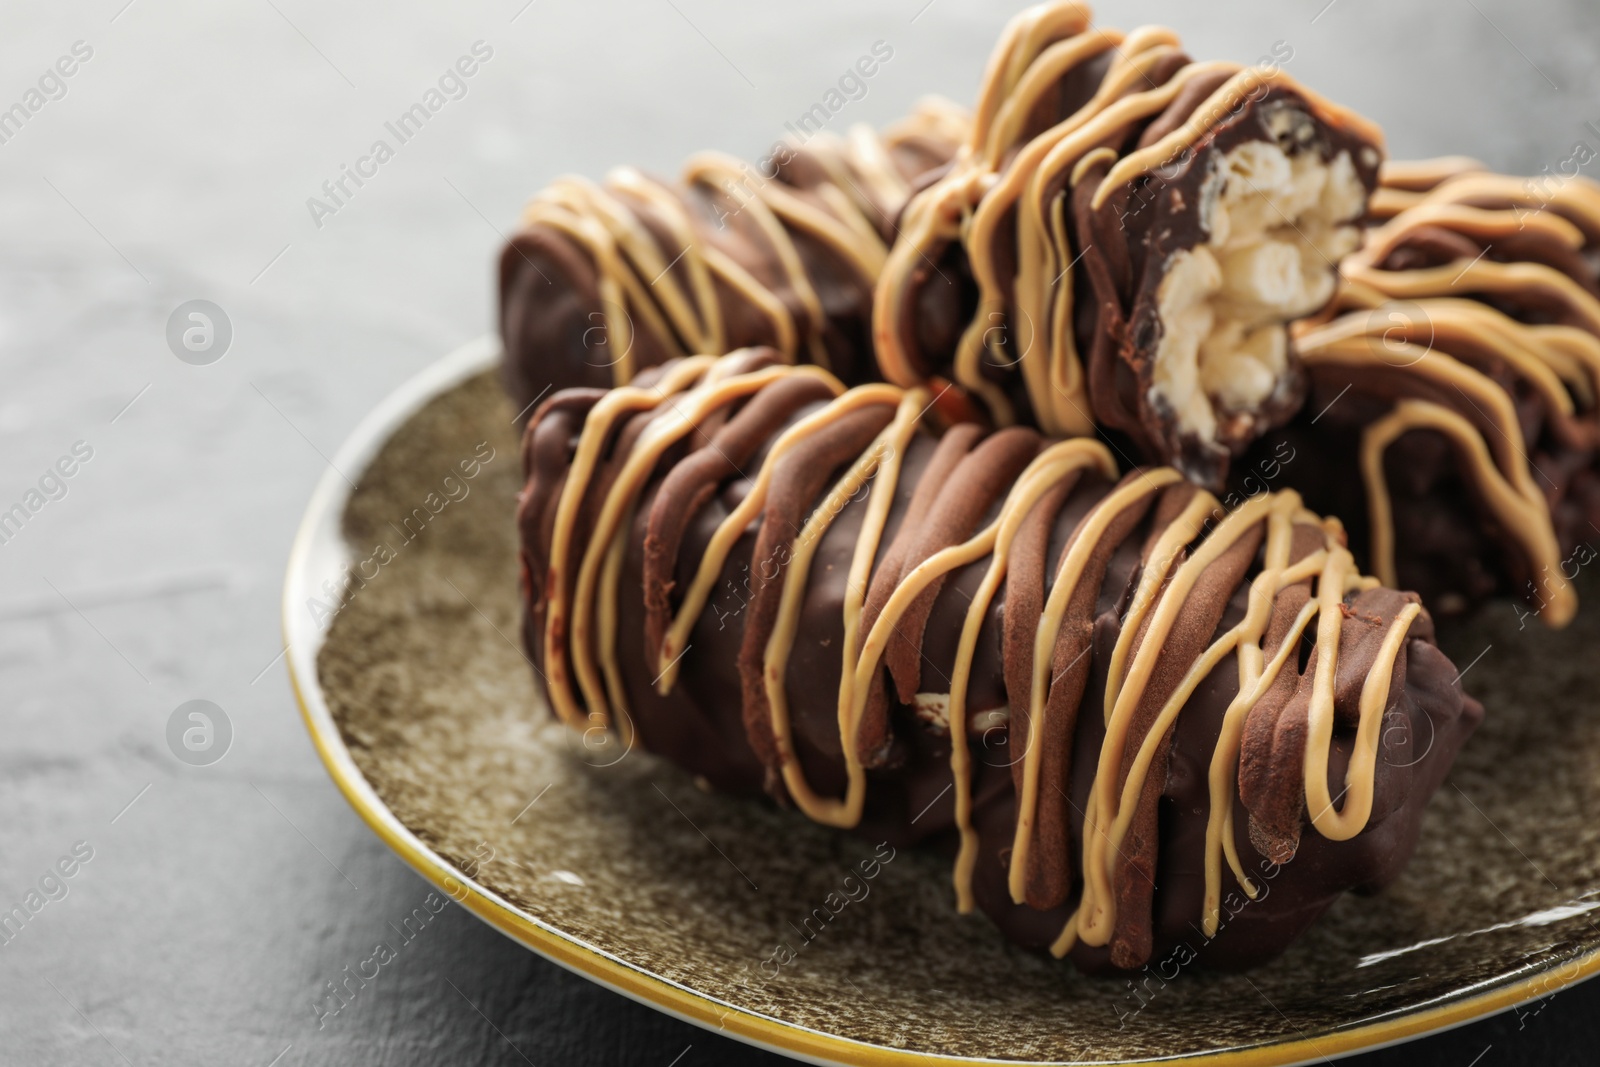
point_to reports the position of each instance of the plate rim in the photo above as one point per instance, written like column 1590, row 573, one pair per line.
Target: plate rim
column 318, row 541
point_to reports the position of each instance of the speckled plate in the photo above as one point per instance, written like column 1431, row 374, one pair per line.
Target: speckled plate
column 613, row 864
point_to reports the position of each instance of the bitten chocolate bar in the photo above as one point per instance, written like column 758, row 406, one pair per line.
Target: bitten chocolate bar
column 1123, row 241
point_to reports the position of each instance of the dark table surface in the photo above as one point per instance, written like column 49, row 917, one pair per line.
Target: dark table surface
column 175, row 163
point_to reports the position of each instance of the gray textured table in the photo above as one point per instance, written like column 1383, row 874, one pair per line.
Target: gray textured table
column 175, row 163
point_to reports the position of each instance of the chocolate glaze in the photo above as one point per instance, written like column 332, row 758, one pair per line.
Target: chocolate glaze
column 707, row 722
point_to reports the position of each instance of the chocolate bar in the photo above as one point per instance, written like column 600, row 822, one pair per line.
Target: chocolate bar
column 1139, row 719
column 606, row 280
column 1122, row 243
column 1452, row 417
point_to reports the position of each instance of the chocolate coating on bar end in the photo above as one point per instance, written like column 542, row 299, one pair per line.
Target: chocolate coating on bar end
column 1124, row 709
column 604, row 281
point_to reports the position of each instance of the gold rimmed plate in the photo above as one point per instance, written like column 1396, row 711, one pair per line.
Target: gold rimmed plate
column 403, row 626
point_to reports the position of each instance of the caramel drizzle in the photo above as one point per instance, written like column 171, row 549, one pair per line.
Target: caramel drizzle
column 998, row 177
column 1527, row 521
column 1414, row 323
column 696, row 391
column 883, row 459
column 1043, row 277
column 685, row 412
column 779, row 214
column 739, row 519
column 1049, row 469
column 1046, row 257
column 640, row 287
column 1497, row 464
column 940, row 213
column 1084, row 540
column 1227, row 97
column 1420, row 175
column 1110, row 812
column 1459, row 180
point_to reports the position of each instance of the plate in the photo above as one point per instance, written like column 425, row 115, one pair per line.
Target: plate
column 403, row 627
